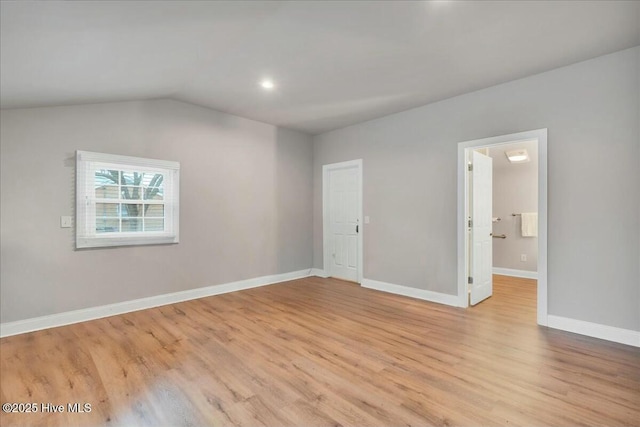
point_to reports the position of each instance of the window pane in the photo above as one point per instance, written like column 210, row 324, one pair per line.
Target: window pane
column 131, row 210
column 106, row 177
column 131, row 178
column 153, row 210
column 131, row 193
column 107, row 209
column 152, row 179
column 154, row 193
column 153, row 186
column 107, row 192
column 131, row 224
column 107, row 225
column 155, row 224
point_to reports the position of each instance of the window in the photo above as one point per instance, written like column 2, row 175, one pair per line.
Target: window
column 124, row 200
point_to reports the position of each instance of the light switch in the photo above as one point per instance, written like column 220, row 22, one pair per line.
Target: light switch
column 65, row 222
column 367, row 220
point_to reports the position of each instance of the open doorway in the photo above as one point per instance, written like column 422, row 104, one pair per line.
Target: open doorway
column 515, row 209
column 481, row 222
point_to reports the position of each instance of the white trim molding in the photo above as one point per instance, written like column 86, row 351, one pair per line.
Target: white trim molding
column 87, row 220
column 595, row 330
column 83, row 315
column 515, row 273
column 407, row 291
column 319, row 273
column 539, row 135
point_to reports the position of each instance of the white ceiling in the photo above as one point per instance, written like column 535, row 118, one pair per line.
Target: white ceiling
column 334, row 63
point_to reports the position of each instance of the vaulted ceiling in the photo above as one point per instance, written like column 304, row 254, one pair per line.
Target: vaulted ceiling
column 333, row 63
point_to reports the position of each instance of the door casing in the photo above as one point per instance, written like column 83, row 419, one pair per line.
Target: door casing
column 464, row 148
column 357, row 164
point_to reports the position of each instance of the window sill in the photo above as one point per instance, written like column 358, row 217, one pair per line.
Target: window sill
column 106, row 241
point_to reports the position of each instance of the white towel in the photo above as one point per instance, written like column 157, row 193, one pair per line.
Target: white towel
column 529, row 226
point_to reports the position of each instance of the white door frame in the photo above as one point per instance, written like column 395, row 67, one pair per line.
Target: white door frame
column 325, row 212
column 540, row 135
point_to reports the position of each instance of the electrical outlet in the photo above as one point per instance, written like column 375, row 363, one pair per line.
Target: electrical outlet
column 523, row 257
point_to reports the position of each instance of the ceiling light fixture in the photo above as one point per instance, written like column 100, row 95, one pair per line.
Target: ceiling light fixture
column 267, row 84
column 517, row 156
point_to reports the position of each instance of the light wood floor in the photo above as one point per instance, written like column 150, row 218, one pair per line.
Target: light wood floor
column 323, row 352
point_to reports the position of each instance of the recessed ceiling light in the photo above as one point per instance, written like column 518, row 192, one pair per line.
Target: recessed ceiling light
column 267, row 84
column 517, row 156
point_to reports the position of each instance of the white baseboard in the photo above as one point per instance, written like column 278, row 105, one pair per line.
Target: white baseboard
column 610, row 333
column 82, row 315
column 596, row 330
column 525, row 274
column 318, row 272
column 422, row 294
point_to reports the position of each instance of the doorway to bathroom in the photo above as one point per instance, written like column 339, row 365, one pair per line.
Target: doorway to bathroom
column 502, row 216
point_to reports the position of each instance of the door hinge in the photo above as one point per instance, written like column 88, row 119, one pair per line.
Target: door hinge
column 470, row 167
column 470, row 280
column 470, row 223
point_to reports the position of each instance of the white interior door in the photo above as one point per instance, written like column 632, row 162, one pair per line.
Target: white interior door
column 344, row 223
column 481, row 264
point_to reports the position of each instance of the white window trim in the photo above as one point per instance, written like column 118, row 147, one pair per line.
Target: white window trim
column 86, row 164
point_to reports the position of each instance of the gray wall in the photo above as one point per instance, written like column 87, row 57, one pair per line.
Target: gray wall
column 591, row 110
column 515, row 190
column 246, row 195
